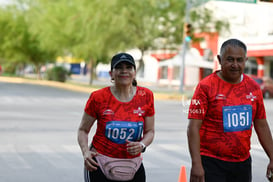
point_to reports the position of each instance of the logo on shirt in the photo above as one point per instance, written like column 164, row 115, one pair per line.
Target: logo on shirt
column 141, row 92
column 251, row 96
column 139, row 111
column 108, row 112
column 220, row 97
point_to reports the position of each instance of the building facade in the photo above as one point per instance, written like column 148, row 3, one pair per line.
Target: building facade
column 253, row 24
column 250, row 22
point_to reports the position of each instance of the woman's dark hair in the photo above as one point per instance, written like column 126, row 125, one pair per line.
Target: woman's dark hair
column 134, row 83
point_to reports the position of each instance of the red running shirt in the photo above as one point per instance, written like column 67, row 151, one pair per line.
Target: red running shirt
column 118, row 121
column 227, row 111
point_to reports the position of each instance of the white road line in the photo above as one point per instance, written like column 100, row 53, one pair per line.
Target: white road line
column 52, row 156
column 157, row 152
column 12, row 158
column 72, row 149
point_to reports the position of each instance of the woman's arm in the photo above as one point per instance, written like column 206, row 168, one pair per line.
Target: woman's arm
column 83, row 131
column 134, row 148
column 148, row 133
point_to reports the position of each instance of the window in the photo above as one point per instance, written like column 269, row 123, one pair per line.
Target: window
column 164, row 72
column 176, row 72
column 251, row 67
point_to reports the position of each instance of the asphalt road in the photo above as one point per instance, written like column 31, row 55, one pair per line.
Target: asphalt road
column 38, row 126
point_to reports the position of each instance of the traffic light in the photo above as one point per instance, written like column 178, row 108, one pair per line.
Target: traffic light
column 188, row 32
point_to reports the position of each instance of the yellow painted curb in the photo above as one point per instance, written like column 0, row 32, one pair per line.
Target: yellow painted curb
column 78, row 88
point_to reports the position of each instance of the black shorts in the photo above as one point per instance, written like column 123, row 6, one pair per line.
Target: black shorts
column 221, row 171
column 98, row 176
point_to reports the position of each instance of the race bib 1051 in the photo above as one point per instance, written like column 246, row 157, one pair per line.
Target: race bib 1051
column 237, row 118
column 120, row 131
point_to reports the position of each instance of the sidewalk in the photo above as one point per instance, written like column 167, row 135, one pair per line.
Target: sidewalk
column 81, row 84
column 84, row 79
column 160, row 91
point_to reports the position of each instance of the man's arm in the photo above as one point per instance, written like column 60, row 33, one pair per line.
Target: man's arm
column 197, row 171
column 265, row 138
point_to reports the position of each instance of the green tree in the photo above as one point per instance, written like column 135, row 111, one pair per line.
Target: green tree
column 204, row 21
column 95, row 30
column 18, row 43
column 81, row 28
column 153, row 24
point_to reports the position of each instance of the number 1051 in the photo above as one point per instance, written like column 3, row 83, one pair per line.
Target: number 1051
column 238, row 119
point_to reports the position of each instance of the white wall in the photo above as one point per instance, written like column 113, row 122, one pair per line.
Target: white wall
column 191, row 76
column 251, row 23
column 150, row 69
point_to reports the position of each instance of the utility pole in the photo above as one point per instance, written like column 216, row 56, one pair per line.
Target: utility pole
column 184, row 47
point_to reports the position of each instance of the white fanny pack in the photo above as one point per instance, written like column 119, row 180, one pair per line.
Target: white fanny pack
column 118, row 169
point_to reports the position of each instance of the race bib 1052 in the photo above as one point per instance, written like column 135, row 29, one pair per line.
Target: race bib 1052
column 237, row 118
column 120, row 131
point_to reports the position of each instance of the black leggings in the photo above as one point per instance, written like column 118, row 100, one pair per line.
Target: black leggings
column 98, row 176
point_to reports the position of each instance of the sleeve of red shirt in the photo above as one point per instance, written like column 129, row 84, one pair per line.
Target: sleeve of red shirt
column 90, row 107
column 260, row 114
column 199, row 103
column 150, row 100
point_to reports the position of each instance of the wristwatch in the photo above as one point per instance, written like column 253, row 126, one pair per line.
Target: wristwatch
column 143, row 147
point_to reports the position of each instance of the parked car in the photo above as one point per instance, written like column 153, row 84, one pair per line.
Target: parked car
column 266, row 84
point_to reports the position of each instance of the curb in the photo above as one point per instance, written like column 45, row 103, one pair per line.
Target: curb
column 79, row 88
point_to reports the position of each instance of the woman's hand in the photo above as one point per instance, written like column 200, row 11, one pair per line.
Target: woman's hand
column 89, row 162
column 134, row 148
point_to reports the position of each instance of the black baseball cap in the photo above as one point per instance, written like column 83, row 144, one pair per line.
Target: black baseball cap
column 122, row 57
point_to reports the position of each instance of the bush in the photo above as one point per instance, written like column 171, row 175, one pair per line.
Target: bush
column 57, row 73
